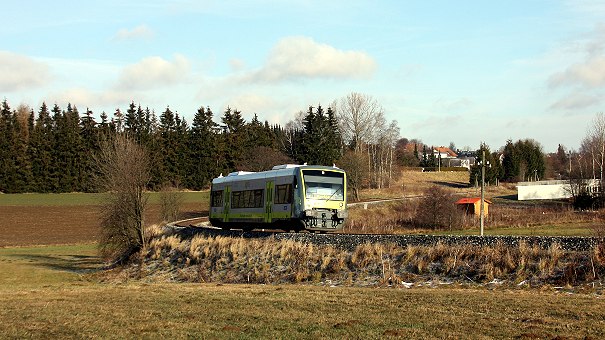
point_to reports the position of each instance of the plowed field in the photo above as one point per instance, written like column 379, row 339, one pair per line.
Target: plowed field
column 65, row 224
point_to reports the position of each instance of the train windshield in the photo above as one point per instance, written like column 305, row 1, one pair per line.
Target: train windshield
column 324, row 185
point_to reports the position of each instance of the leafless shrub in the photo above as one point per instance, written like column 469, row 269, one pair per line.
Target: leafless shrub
column 123, row 175
column 171, row 200
column 437, row 210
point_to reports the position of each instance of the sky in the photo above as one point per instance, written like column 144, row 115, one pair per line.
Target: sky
column 465, row 72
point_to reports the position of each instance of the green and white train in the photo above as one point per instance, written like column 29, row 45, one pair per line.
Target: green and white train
column 289, row 197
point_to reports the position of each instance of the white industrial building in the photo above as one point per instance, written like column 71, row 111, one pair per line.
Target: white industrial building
column 548, row 190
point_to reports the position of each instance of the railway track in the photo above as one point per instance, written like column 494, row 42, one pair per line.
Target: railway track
column 187, row 229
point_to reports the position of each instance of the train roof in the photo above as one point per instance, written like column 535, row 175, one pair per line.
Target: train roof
column 277, row 171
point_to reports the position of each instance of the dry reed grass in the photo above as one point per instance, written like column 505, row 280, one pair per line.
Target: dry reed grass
column 399, row 217
column 239, row 260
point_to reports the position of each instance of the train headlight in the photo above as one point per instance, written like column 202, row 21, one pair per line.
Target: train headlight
column 341, row 204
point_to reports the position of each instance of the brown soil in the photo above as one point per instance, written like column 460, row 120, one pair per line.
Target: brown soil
column 47, row 225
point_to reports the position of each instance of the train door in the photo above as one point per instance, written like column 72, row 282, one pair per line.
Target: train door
column 269, row 187
column 227, row 206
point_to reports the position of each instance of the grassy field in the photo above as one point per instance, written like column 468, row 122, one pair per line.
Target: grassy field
column 57, row 291
column 49, row 295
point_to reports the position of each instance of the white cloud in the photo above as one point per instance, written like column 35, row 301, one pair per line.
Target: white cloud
column 302, row 57
column 139, row 32
column 576, row 101
column 589, row 73
column 82, row 98
column 251, row 103
column 153, row 72
column 19, row 72
column 237, row 65
column 450, row 105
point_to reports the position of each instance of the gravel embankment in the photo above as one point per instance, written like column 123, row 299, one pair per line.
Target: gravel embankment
column 349, row 242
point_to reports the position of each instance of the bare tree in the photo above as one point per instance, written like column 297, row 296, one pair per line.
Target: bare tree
column 364, row 128
column 123, row 175
column 594, row 146
column 262, row 158
column 355, row 166
column 357, row 114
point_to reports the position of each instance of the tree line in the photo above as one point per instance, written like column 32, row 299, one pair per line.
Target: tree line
column 54, row 149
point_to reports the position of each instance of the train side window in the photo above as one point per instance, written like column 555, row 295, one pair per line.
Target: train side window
column 247, row 199
column 217, row 198
column 236, row 199
column 283, row 194
column 258, row 198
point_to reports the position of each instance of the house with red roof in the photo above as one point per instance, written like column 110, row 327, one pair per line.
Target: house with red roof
column 444, row 152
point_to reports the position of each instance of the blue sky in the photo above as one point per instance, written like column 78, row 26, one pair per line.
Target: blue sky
column 447, row 71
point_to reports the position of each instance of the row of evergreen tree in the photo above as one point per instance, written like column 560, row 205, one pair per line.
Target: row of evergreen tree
column 520, row 161
column 54, row 150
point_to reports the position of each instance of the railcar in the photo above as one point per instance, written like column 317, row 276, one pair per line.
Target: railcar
column 288, row 197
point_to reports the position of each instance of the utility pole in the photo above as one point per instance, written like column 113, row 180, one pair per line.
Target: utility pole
column 482, row 188
column 439, row 160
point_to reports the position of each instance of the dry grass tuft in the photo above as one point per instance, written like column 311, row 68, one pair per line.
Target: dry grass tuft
column 239, row 260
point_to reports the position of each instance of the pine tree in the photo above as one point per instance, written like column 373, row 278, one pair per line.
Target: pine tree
column 416, row 151
column 131, row 123
column 523, row 160
column 182, row 153
column 334, row 142
column 493, row 168
column 41, row 146
column 104, row 128
column 67, row 152
column 203, row 146
column 22, row 120
column 321, row 141
column 169, row 147
column 424, row 162
column 511, row 161
column 7, row 156
column 117, row 121
column 90, row 147
column 234, row 138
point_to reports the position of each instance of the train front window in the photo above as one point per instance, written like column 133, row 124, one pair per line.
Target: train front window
column 324, row 185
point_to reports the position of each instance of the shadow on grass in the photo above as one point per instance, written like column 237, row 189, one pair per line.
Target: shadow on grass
column 507, row 198
column 455, row 185
column 78, row 264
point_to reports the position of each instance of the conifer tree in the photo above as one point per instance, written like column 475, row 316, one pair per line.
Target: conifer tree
column 41, row 146
column 7, row 156
column 90, row 146
column 181, row 144
column 67, row 152
column 131, row 123
column 493, row 167
column 168, row 147
column 203, row 147
column 321, row 142
column 233, row 137
column 334, row 143
column 104, row 127
column 23, row 167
